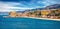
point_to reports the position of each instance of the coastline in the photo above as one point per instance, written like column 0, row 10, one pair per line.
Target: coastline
column 35, row 18
column 43, row 18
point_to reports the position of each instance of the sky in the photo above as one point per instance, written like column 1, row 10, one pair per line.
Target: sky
column 21, row 5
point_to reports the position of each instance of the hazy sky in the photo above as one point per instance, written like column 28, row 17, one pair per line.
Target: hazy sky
column 11, row 5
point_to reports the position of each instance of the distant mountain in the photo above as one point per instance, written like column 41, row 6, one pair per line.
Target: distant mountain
column 29, row 10
column 4, row 13
column 55, row 6
column 36, row 9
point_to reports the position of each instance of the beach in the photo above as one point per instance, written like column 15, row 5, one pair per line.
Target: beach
column 36, row 18
column 43, row 18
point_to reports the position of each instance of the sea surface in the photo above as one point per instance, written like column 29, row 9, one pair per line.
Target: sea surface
column 28, row 23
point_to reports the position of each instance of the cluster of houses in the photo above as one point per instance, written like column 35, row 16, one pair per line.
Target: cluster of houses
column 53, row 13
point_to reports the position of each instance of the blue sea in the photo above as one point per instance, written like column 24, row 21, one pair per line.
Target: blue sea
column 28, row 23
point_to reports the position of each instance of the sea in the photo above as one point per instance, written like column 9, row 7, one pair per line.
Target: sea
column 27, row 23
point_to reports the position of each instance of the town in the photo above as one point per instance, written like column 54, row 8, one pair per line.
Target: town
column 48, row 13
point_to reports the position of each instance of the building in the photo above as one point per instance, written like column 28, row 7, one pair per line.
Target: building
column 44, row 13
column 12, row 14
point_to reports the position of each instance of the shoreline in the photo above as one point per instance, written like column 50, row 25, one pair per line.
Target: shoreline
column 43, row 18
column 35, row 18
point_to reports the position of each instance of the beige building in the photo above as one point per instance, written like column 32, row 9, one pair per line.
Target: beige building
column 12, row 14
column 45, row 12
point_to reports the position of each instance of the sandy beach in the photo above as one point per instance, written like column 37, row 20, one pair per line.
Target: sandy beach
column 43, row 18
